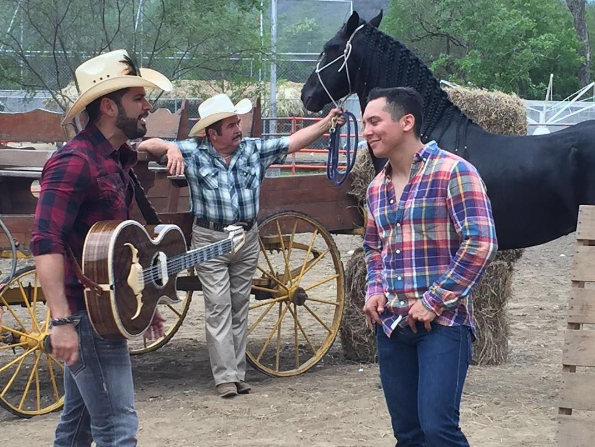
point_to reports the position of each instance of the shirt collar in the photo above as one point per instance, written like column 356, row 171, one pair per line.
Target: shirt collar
column 127, row 155
column 422, row 154
column 206, row 145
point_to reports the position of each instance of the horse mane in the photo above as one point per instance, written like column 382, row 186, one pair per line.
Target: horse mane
column 389, row 63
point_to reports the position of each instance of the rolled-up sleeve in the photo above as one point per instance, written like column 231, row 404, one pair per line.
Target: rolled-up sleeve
column 272, row 151
column 65, row 183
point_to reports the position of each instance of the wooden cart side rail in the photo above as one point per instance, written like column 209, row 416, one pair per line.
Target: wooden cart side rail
column 37, row 125
column 315, row 195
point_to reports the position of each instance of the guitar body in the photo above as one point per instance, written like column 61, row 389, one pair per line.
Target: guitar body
column 121, row 257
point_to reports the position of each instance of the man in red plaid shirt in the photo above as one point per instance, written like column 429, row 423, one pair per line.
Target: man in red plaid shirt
column 84, row 182
column 429, row 237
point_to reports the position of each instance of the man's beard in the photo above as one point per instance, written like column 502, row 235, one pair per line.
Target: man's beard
column 129, row 126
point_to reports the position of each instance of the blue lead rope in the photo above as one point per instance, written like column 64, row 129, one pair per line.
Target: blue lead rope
column 332, row 166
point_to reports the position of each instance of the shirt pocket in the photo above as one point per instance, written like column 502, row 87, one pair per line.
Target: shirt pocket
column 247, row 177
column 111, row 189
column 208, row 177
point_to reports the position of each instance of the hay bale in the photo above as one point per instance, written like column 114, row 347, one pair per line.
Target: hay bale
column 357, row 341
column 495, row 111
column 498, row 113
column 489, row 303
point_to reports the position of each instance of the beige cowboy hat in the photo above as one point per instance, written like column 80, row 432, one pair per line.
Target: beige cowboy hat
column 108, row 73
column 216, row 108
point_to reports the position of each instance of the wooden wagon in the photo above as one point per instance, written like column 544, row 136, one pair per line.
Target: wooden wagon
column 298, row 289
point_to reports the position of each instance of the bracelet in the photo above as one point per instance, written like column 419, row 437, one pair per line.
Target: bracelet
column 61, row 321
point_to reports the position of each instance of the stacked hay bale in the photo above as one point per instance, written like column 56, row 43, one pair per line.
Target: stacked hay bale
column 357, row 340
column 498, row 113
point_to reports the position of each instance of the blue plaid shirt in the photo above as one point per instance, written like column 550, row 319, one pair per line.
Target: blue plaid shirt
column 227, row 194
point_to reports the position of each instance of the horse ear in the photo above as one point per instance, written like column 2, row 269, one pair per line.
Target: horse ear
column 351, row 24
column 375, row 22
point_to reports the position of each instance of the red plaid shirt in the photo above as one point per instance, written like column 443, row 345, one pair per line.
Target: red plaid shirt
column 433, row 243
column 82, row 183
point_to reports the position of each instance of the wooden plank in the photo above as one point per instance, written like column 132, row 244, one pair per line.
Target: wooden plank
column 581, row 306
column 579, row 348
column 20, row 173
column 585, row 229
column 18, row 157
column 36, row 125
column 164, row 124
column 583, row 264
column 577, row 391
column 575, row 432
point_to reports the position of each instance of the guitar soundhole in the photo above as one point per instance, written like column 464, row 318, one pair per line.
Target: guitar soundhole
column 156, row 271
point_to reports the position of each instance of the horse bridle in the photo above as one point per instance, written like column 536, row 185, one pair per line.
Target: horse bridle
column 332, row 168
column 346, row 54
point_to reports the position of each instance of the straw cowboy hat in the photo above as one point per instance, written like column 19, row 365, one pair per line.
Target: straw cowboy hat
column 216, row 108
column 108, row 73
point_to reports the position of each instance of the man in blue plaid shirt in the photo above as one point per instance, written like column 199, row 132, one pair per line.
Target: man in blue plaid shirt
column 224, row 173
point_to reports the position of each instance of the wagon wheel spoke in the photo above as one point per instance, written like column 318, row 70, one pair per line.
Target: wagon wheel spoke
column 174, row 314
column 299, row 266
column 31, row 380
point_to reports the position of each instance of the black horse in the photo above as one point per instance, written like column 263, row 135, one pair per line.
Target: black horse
column 535, row 183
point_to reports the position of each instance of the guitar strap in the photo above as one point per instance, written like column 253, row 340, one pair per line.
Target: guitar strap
column 143, row 202
column 87, row 282
column 150, row 216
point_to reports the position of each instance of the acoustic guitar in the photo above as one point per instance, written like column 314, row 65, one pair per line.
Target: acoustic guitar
column 135, row 272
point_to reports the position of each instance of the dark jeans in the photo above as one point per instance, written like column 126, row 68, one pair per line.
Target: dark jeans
column 99, row 394
column 422, row 377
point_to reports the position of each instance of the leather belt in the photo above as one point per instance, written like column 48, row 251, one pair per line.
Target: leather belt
column 204, row 223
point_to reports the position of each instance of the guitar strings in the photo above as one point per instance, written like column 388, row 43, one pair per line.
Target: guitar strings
column 186, row 260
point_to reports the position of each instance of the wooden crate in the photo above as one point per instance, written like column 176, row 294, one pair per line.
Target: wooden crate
column 576, row 423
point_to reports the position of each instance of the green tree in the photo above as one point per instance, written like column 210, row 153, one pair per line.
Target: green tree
column 508, row 45
column 196, row 39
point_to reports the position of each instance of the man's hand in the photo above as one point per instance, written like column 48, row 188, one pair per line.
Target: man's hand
column 175, row 160
column 373, row 308
column 419, row 312
column 338, row 114
column 65, row 343
column 156, row 330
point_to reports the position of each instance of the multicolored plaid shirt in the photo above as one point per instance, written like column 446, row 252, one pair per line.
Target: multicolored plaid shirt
column 433, row 243
column 227, row 194
column 82, row 183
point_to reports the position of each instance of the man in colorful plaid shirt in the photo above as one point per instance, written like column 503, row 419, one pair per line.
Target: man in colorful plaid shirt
column 224, row 173
column 429, row 237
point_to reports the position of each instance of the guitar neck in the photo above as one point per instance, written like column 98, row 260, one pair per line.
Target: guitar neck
column 189, row 259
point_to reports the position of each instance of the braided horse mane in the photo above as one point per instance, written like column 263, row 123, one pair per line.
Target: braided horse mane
column 386, row 62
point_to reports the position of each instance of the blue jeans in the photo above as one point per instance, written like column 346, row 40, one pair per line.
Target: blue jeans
column 99, row 394
column 422, row 377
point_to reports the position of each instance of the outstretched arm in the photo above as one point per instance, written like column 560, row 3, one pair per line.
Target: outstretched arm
column 308, row 135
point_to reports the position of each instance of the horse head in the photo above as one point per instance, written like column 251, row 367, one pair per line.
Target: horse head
column 338, row 65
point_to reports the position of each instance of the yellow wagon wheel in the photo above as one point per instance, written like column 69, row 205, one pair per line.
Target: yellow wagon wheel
column 31, row 380
column 174, row 316
column 299, row 291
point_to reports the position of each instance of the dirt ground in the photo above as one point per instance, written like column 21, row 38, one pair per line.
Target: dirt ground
column 339, row 403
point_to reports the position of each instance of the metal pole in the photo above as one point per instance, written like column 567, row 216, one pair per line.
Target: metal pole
column 273, row 101
column 139, row 18
column 261, row 40
column 16, row 11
